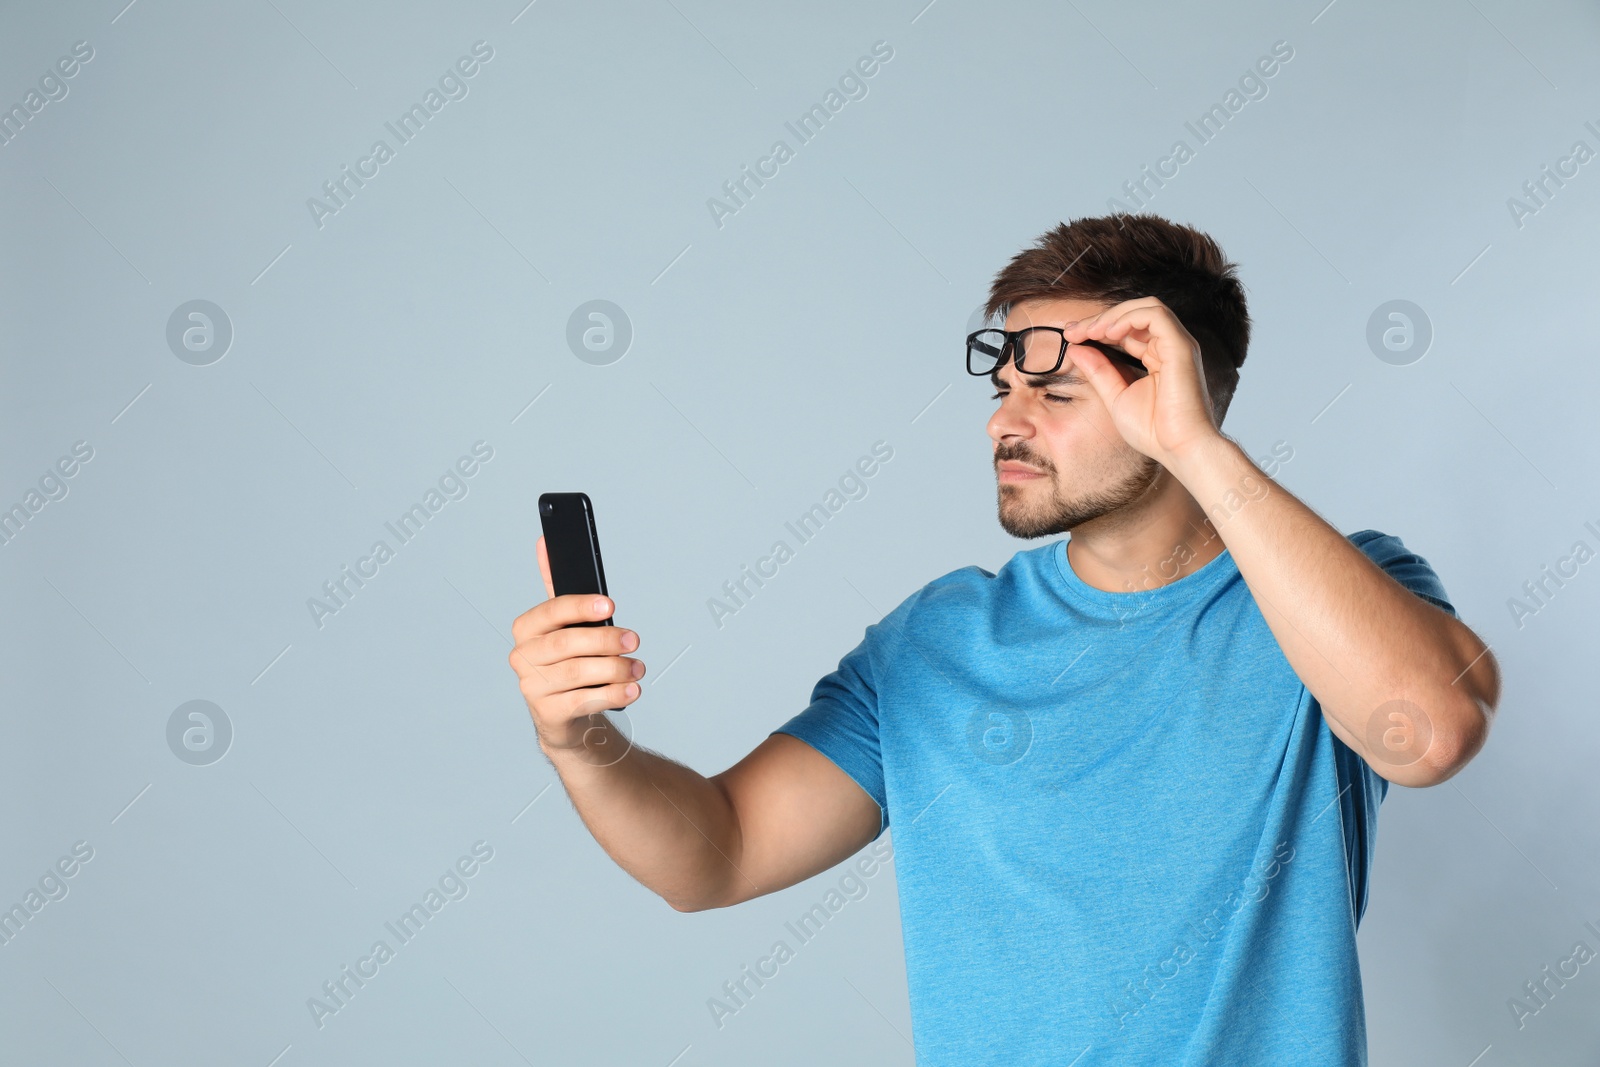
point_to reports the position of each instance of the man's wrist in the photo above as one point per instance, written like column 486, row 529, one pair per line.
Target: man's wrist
column 593, row 745
column 1203, row 454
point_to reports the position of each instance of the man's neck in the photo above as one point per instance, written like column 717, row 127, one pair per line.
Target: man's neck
column 1154, row 542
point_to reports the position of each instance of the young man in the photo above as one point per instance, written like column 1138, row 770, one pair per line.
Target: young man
column 1135, row 775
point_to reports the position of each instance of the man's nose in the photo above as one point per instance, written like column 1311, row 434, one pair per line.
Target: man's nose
column 1009, row 420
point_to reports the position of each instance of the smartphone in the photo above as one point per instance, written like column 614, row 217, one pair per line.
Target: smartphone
column 573, row 545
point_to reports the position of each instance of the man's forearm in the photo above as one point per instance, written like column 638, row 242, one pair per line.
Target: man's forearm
column 1358, row 639
column 670, row 827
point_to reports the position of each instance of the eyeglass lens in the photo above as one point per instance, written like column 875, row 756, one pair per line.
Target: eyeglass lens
column 1041, row 348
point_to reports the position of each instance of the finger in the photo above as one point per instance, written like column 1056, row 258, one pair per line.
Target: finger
column 544, row 567
column 1122, row 333
column 587, row 671
column 1129, row 344
column 1086, row 327
column 1139, row 318
column 562, row 706
column 572, row 642
column 560, row 611
column 1141, row 336
column 570, row 608
column 1078, row 334
column 521, row 660
column 581, row 702
column 573, row 672
column 1077, row 331
column 1166, row 344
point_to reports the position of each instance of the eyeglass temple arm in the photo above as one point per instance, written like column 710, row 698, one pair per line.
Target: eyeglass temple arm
column 1111, row 352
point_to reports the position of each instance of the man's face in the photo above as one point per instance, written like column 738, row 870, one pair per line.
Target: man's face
column 1081, row 468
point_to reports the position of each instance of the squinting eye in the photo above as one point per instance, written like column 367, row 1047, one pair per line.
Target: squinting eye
column 1047, row 396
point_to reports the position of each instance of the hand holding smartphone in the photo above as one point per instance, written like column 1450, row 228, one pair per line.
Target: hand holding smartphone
column 573, row 567
column 573, row 546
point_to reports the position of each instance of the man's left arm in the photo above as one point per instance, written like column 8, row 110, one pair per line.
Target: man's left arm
column 1400, row 680
column 1408, row 687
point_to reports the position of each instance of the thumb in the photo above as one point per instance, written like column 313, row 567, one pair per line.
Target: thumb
column 1103, row 377
column 544, row 568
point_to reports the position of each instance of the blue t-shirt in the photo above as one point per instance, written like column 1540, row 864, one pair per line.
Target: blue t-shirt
column 1124, row 833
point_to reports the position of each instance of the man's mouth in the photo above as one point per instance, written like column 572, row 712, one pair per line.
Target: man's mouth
column 1018, row 472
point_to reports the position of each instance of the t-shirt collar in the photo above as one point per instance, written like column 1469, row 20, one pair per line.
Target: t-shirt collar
column 1121, row 604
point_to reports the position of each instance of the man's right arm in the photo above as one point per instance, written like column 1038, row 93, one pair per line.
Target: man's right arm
column 780, row 815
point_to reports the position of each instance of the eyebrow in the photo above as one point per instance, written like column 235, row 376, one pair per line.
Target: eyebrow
column 1042, row 381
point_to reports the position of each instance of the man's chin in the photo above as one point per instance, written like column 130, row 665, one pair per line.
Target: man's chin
column 1019, row 519
column 1029, row 532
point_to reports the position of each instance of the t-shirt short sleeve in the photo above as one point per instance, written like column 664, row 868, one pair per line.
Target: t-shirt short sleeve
column 842, row 719
column 1403, row 565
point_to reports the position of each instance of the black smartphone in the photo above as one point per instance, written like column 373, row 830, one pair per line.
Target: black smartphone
column 573, row 545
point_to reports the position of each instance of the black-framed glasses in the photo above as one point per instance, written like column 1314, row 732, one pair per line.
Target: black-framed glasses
column 1034, row 349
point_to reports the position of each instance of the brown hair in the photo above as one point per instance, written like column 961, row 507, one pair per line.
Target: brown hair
column 1123, row 257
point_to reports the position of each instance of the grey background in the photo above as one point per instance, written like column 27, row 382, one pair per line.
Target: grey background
column 767, row 355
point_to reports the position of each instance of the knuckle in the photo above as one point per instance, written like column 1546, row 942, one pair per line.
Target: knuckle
column 523, row 661
column 554, row 676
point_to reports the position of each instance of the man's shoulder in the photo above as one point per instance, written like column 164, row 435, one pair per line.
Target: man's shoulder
column 974, row 584
column 974, row 576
